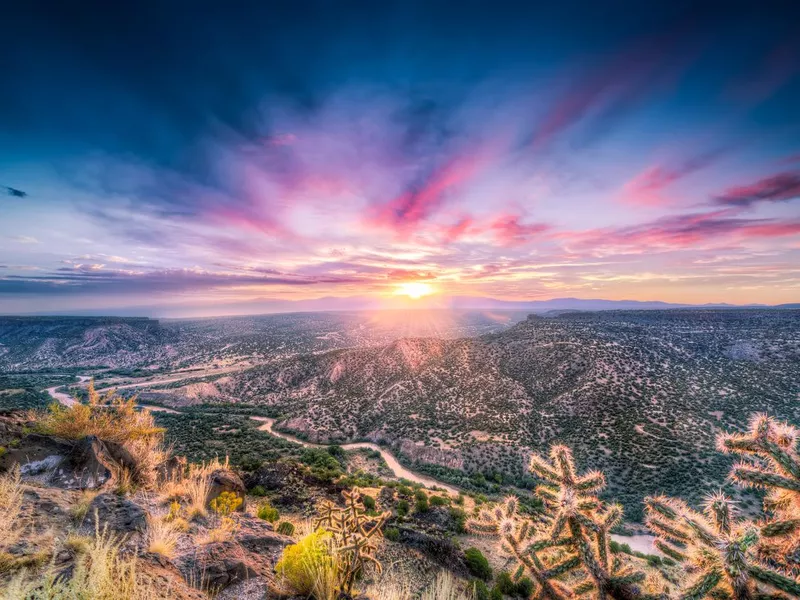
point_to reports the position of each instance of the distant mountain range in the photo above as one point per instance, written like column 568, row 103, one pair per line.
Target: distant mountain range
column 369, row 303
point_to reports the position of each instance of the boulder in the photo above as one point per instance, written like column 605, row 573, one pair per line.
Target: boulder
column 259, row 537
column 36, row 455
column 86, row 466
column 118, row 514
column 171, row 468
column 225, row 480
column 441, row 550
column 216, row 566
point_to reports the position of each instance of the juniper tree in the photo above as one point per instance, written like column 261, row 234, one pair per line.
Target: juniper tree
column 772, row 462
column 720, row 548
column 577, row 521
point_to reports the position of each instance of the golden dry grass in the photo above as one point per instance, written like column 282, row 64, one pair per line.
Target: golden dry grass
column 10, row 506
column 162, row 537
column 101, row 573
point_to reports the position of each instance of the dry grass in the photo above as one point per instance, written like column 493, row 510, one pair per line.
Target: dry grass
column 78, row 544
column 197, row 484
column 162, row 537
column 109, row 417
column 224, row 531
column 390, row 587
column 81, row 507
column 101, row 573
column 115, row 419
column 444, row 587
column 10, row 506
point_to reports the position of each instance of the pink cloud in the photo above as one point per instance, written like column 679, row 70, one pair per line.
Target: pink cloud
column 509, row 231
column 679, row 232
column 647, row 188
column 416, row 204
column 453, row 233
column 777, row 188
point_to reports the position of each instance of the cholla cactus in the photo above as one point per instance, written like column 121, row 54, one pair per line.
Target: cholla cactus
column 720, row 548
column 354, row 534
column 773, row 463
column 581, row 516
column 578, row 521
column 521, row 539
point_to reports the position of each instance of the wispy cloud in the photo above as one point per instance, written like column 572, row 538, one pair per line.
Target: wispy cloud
column 782, row 187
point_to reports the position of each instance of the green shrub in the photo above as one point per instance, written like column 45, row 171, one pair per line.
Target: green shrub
column 392, row 534
column 319, row 459
column 258, row 491
column 479, row 590
column 505, row 583
column 438, row 501
column 402, row 508
column 268, row 513
column 301, row 564
column 495, row 594
column 285, row 528
column 369, row 502
column 421, row 504
column 524, row 588
column 477, row 564
column 653, row 560
column 459, row 519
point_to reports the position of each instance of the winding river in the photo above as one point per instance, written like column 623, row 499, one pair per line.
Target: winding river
column 639, row 543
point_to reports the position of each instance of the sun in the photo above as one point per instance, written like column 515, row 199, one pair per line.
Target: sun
column 414, row 289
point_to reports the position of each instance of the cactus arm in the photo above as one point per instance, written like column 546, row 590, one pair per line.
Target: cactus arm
column 753, row 476
column 775, row 580
column 703, row 586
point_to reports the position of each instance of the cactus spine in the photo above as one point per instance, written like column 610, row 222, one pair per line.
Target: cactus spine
column 578, row 521
column 771, row 461
column 355, row 536
column 721, row 549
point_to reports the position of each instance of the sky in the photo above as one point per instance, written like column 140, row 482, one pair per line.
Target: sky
column 169, row 154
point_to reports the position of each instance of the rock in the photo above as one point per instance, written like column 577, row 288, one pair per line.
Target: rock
column 121, row 456
column 171, row 468
column 387, row 497
column 224, row 480
column 87, row 466
column 163, row 577
column 218, row 565
column 119, row 514
column 36, row 454
column 88, row 463
column 297, row 488
column 441, row 550
column 38, row 467
column 437, row 518
column 259, row 537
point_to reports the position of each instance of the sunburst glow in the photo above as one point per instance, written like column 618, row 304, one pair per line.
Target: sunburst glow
column 414, row 289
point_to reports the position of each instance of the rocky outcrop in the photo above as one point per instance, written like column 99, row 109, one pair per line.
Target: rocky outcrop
column 441, row 550
column 118, row 514
column 86, row 466
column 225, row 480
column 296, row 487
column 259, row 537
column 36, row 455
column 88, row 463
column 218, row 565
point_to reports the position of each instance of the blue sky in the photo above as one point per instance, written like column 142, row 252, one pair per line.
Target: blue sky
column 237, row 151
